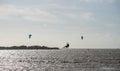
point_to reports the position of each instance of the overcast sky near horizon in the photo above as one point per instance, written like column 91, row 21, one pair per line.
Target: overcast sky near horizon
column 56, row 22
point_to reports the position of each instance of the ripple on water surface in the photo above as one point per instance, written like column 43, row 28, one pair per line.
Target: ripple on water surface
column 59, row 60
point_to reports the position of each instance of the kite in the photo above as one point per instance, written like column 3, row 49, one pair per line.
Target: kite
column 30, row 35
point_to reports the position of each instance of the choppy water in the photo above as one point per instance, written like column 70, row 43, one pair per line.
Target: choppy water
column 60, row 60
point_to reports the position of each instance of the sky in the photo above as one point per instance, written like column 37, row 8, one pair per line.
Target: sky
column 57, row 22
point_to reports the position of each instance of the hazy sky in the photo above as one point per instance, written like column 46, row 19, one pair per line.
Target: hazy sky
column 56, row 22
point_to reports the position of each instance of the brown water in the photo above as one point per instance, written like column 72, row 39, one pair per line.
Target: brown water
column 60, row 60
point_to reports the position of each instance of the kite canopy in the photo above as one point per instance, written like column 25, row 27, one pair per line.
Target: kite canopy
column 30, row 35
column 81, row 37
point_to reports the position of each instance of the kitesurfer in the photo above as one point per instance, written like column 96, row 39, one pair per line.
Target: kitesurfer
column 67, row 45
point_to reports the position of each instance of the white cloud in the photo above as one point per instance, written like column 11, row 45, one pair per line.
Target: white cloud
column 35, row 14
column 38, row 15
column 58, row 6
column 86, row 16
column 30, row 14
column 98, row 1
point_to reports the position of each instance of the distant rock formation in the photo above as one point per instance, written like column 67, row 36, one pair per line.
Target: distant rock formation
column 28, row 47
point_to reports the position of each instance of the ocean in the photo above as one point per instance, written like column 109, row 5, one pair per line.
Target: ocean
column 60, row 60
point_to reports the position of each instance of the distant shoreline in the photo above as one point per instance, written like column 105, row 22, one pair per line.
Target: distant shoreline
column 27, row 47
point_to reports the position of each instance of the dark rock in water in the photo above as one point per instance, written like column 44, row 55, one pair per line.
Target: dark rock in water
column 28, row 47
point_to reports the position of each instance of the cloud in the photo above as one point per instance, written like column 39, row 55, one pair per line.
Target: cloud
column 36, row 14
column 85, row 16
column 8, row 12
column 98, row 1
column 65, row 7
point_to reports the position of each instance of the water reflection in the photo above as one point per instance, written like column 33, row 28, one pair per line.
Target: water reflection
column 59, row 60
